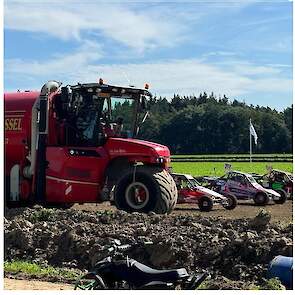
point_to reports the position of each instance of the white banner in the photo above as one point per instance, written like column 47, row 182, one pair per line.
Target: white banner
column 253, row 132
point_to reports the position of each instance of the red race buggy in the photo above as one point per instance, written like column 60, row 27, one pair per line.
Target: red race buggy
column 191, row 192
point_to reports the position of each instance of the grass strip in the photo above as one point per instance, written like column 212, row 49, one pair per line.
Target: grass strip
column 233, row 155
column 217, row 168
column 34, row 269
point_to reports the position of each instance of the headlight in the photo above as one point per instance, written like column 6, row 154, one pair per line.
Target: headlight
column 160, row 160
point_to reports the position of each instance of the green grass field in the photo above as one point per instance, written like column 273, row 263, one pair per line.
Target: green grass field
column 232, row 155
column 207, row 168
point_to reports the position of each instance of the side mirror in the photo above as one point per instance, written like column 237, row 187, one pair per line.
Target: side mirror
column 143, row 103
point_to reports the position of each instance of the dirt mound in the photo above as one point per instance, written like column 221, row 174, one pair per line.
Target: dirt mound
column 236, row 250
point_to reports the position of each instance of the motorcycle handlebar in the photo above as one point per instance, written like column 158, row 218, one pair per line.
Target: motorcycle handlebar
column 125, row 247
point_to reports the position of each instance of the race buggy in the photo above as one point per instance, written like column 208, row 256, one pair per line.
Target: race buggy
column 280, row 181
column 244, row 187
column 191, row 192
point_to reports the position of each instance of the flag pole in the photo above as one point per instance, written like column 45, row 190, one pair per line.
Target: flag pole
column 250, row 142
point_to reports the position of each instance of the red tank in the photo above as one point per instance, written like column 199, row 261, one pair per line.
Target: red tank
column 17, row 119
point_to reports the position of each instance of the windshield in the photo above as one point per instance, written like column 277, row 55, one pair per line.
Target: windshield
column 193, row 182
column 251, row 179
column 122, row 117
column 290, row 176
column 118, row 114
column 90, row 113
column 185, row 182
column 287, row 176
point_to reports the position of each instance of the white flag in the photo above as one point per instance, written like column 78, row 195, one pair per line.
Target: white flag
column 253, row 132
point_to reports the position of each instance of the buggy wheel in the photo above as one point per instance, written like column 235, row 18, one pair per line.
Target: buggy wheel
column 205, row 204
column 283, row 196
column 90, row 281
column 232, row 202
column 261, row 199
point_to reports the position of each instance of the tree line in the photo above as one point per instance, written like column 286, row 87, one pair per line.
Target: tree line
column 208, row 124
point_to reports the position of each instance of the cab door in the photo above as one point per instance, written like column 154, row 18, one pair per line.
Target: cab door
column 75, row 174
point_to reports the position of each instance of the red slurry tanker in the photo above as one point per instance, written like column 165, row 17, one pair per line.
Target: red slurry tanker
column 76, row 144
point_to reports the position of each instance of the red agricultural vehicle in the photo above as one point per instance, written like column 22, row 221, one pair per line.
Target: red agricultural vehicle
column 66, row 145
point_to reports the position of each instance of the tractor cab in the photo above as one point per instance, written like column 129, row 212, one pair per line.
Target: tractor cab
column 89, row 114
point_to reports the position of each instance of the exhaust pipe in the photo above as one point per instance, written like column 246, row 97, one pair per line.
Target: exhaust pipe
column 39, row 135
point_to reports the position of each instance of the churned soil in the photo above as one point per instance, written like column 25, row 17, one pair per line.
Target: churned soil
column 235, row 247
column 246, row 209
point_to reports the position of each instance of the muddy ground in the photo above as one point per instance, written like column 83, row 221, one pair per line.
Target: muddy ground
column 246, row 209
column 236, row 252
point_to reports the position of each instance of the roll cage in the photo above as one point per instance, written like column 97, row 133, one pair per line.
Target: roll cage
column 238, row 177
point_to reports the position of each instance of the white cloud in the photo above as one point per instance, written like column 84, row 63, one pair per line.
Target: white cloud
column 249, row 69
column 58, row 65
column 219, row 53
column 185, row 77
column 272, row 85
column 139, row 28
column 66, row 20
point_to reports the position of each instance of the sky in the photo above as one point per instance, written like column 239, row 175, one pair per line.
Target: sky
column 242, row 49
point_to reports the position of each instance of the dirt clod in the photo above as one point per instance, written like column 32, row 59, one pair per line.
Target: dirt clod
column 261, row 221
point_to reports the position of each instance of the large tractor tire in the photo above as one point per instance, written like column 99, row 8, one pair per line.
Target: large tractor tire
column 261, row 199
column 148, row 189
column 283, row 197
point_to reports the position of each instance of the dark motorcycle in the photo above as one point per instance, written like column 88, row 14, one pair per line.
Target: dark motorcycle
column 126, row 273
